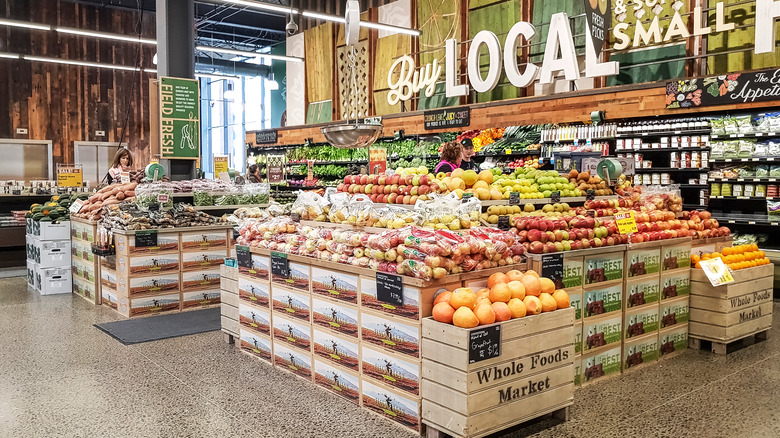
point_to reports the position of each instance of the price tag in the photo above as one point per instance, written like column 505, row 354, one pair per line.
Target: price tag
column 76, row 206
column 279, row 264
column 295, row 217
column 626, row 222
column 484, row 343
column 716, row 271
column 590, row 195
column 16, row 192
column 243, row 256
column 514, row 198
column 145, row 238
column 503, row 223
column 124, row 177
column 555, row 197
column 390, row 288
column 508, row 151
column 465, row 198
column 552, row 268
column 162, row 198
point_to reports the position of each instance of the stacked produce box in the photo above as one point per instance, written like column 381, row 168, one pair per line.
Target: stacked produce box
column 48, row 246
column 85, row 264
column 229, row 302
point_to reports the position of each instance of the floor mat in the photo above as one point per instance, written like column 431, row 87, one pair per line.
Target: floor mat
column 154, row 328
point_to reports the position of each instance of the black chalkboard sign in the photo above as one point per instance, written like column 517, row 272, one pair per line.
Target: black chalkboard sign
column 555, row 197
column 552, row 268
column 279, row 264
column 514, row 198
column 390, row 288
column 503, row 223
column 145, row 238
column 267, row 136
column 716, row 90
column 590, row 213
column 448, row 118
column 243, row 256
column 484, row 343
column 590, row 195
column 295, row 217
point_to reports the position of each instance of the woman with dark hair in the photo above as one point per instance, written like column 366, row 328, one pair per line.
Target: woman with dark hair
column 253, row 175
column 123, row 162
column 451, row 155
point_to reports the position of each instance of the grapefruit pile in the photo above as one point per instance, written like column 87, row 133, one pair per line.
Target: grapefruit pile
column 509, row 295
column 735, row 257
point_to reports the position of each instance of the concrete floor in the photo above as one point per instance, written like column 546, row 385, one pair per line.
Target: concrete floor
column 63, row 377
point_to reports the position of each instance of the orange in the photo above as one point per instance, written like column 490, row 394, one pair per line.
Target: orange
column 514, row 275
column 463, row 297
column 753, row 247
column 698, row 265
column 443, row 312
column 561, row 298
column 502, row 311
column 516, row 307
column 464, row 317
column 532, row 285
column 517, row 288
column 715, row 255
column 500, row 292
column 695, row 258
column 548, row 302
column 547, row 285
column 532, row 272
column 532, row 305
column 485, row 313
column 443, row 297
column 498, row 277
column 727, row 251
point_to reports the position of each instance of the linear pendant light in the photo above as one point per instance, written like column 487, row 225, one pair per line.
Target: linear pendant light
column 79, row 63
column 24, row 24
column 9, row 55
column 248, row 53
column 111, row 36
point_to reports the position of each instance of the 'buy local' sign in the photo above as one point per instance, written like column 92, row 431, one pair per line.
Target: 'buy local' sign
column 404, row 80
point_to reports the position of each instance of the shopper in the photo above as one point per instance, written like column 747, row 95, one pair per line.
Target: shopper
column 451, row 154
column 123, row 162
column 253, row 174
column 468, row 151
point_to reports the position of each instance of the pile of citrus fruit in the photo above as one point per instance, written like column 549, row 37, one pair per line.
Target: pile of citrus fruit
column 509, row 295
column 735, row 257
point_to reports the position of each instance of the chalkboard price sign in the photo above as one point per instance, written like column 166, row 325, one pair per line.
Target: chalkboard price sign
column 447, row 118
column 145, row 238
column 555, row 197
column 268, row 136
column 390, row 288
column 279, row 264
column 514, row 198
column 590, row 195
column 503, row 223
column 484, row 343
column 552, row 268
column 243, row 256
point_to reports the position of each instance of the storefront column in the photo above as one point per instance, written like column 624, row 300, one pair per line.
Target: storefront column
column 176, row 38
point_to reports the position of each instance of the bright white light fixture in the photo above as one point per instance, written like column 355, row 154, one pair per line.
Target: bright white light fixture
column 154, row 59
column 258, row 5
column 9, row 55
column 150, row 70
column 248, row 54
column 24, row 24
column 106, row 35
column 389, row 28
column 80, row 63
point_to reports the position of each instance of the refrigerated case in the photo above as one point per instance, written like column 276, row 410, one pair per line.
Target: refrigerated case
column 96, row 157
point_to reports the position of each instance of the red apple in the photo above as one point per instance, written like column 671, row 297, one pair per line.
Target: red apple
column 536, row 247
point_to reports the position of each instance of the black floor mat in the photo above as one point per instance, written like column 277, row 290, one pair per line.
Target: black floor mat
column 154, row 328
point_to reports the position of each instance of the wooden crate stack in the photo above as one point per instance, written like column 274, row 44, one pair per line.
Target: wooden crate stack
column 530, row 377
column 228, row 288
column 85, row 265
column 725, row 314
column 641, row 305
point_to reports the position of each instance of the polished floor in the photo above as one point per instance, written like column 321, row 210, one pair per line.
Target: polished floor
column 62, row 377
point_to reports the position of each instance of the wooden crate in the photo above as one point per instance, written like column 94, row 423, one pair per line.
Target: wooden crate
column 532, row 376
column 228, row 272
column 291, row 332
column 205, row 240
column 82, row 229
column 398, row 335
column 200, row 299
column 710, row 245
column 401, row 373
column 418, row 301
column 167, row 243
column 340, row 381
column 291, row 303
column 643, row 259
column 255, row 319
column 576, row 298
column 602, row 331
column 602, row 300
column 675, row 283
column 336, row 284
column 254, row 291
column 260, row 270
column 573, row 268
column 341, row 350
column 641, row 350
column 604, row 268
column 674, row 312
column 731, row 312
column 641, row 321
column 299, row 277
column 167, row 302
column 601, row 363
column 641, row 291
column 256, row 345
column 335, row 317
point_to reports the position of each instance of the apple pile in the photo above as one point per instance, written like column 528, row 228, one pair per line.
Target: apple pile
column 393, row 189
column 607, row 207
column 541, row 235
column 508, row 296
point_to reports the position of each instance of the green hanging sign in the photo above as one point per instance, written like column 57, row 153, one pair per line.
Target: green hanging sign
column 179, row 118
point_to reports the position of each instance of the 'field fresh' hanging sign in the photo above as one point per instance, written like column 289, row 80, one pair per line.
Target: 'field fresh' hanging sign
column 179, row 118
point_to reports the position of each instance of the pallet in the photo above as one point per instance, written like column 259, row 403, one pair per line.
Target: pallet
column 720, row 347
column 560, row 414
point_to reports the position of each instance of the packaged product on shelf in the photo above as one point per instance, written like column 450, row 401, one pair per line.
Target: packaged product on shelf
column 730, row 125
column 227, row 196
column 773, row 148
column 725, row 189
column 718, row 126
column 745, row 149
column 310, row 206
column 745, row 172
column 359, row 210
column 762, row 171
column 736, row 190
column 744, row 124
column 147, row 195
column 773, row 208
column 715, row 187
column 761, row 190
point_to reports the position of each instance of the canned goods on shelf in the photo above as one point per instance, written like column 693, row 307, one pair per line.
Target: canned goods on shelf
column 646, row 180
column 666, row 178
column 656, row 178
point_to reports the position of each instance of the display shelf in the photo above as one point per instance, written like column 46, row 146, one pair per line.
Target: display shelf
column 323, row 163
column 177, row 229
column 579, row 140
column 747, row 219
column 692, row 149
column 748, row 179
column 511, row 154
column 694, row 186
column 569, row 200
column 745, row 198
column 672, row 169
column 229, row 207
column 694, row 207
column 663, row 133
column 753, row 135
column 744, row 160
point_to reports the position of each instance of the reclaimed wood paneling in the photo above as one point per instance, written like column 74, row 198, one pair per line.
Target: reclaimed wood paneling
column 387, row 50
column 69, row 103
column 743, row 15
column 320, row 49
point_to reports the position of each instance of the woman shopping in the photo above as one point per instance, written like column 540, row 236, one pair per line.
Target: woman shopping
column 123, row 162
column 451, row 154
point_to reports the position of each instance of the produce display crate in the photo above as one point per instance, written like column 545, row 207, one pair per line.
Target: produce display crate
column 340, row 381
column 601, row 363
column 640, row 351
column 725, row 314
column 532, row 376
column 605, row 267
column 256, row 345
column 82, row 235
column 229, row 303
column 710, row 245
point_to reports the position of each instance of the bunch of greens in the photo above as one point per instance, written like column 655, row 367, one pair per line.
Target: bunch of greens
column 330, row 171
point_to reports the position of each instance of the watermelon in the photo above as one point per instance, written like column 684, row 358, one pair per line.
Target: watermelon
column 36, row 209
column 28, row 215
column 38, row 216
column 46, row 219
column 55, row 198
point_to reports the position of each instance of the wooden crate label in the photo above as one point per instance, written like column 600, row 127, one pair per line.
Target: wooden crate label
column 599, row 332
column 334, row 284
column 390, row 404
column 641, row 350
column 642, row 291
column 109, row 298
column 108, row 278
column 337, row 381
column 675, row 339
column 578, row 337
column 165, row 242
column 297, row 276
column 196, row 261
column 601, row 364
column 391, row 334
column 390, row 370
column 335, row 316
column 290, row 359
column 260, row 267
column 338, row 350
column 201, row 298
column 732, row 290
column 572, row 272
column 411, row 300
column 675, row 284
column 256, row 319
column 203, row 240
column 158, row 284
column 289, row 303
column 678, row 256
column 674, row 312
column 150, row 305
column 601, row 268
column 604, row 300
column 642, row 262
column 726, row 305
column 255, row 345
column 291, row 332
column 534, row 363
column 254, row 292
column 575, row 301
column 639, row 321
column 148, row 264
column 200, row 280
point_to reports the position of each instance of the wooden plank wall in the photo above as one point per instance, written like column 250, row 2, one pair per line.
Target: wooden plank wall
column 69, row 103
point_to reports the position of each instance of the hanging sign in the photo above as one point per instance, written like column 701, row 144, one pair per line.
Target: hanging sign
column 70, row 176
column 267, row 136
column 598, row 15
column 716, row 271
column 179, row 118
column 377, row 159
column 448, row 118
column 758, row 86
column 220, row 166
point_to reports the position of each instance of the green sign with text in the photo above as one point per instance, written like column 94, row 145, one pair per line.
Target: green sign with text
column 179, row 118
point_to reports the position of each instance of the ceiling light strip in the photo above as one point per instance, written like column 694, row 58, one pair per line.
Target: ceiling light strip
column 24, row 24
column 263, row 6
column 248, row 54
column 9, row 55
column 111, row 36
column 79, row 63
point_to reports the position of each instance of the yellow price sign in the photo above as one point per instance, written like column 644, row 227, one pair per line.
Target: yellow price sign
column 716, row 271
column 626, row 222
column 220, row 165
column 69, row 176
